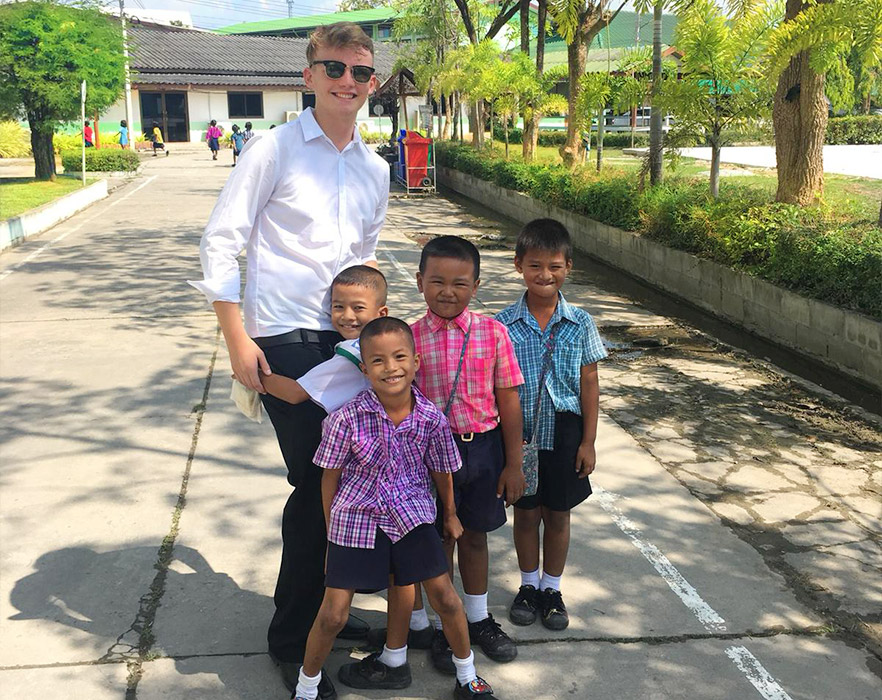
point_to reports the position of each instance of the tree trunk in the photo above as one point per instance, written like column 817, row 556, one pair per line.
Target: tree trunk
column 799, row 115
column 601, row 127
column 656, row 135
column 715, row 166
column 491, row 126
column 506, row 138
column 41, row 146
column 447, row 104
column 576, row 55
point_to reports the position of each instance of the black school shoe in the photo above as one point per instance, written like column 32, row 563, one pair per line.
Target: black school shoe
column 477, row 688
column 554, row 612
column 416, row 639
column 523, row 610
column 370, row 673
column 326, row 689
column 441, row 654
column 494, row 642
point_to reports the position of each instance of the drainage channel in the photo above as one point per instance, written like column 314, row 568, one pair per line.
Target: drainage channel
column 499, row 233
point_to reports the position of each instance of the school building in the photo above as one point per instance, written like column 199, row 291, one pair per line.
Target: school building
column 183, row 78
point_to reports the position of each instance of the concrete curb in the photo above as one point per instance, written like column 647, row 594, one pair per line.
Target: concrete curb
column 108, row 173
column 15, row 230
column 845, row 340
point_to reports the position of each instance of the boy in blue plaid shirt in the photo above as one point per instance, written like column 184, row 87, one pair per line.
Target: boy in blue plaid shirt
column 558, row 345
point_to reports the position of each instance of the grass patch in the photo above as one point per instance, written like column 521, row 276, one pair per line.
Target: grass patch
column 20, row 194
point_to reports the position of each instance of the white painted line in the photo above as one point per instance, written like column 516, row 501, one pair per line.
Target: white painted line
column 757, row 675
column 61, row 237
column 397, row 264
column 706, row 615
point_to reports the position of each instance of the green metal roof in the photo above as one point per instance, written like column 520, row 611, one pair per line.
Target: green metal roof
column 294, row 23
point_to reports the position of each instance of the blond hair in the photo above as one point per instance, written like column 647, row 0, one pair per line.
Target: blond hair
column 340, row 35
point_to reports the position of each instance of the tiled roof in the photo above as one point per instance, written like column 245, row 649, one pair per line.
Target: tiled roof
column 293, row 23
column 182, row 53
column 217, row 80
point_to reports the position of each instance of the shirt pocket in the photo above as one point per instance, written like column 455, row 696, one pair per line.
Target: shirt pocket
column 479, row 377
column 369, row 453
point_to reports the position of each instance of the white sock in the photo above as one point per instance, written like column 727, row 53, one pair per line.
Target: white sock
column 436, row 623
column 465, row 668
column 530, row 578
column 307, row 686
column 475, row 607
column 419, row 619
column 549, row 581
column 393, row 658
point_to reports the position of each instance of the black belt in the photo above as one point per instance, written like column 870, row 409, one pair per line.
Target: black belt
column 469, row 437
column 298, row 335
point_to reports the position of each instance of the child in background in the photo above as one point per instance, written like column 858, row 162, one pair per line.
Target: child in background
column 237, row 143
column 557, row 346
column 88, row 136
column 381, row 453
column 469, row 371
column 158, row 141
column 248, row 133
column 123, row 134
column 212, row 136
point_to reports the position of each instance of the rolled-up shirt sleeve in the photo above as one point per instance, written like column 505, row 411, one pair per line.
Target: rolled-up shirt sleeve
column 372, row 235
column 233, row 219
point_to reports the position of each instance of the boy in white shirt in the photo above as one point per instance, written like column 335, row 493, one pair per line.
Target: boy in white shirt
column 358, row 296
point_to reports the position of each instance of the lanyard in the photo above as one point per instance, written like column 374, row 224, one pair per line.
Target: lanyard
column 546, row 365
column 462, row 353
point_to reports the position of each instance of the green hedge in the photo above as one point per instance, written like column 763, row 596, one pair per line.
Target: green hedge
column 829, row 255
column 101, row 160
column 863, row 129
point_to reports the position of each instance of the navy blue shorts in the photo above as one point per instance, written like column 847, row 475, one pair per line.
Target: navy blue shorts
column 418, row 556
column 213, row 144
column 474, row 485
column 560, row 487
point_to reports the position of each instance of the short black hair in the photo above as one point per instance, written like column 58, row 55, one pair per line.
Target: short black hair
column 451, row 247
column 544, row 234
column 363, row 276
column 384, row 325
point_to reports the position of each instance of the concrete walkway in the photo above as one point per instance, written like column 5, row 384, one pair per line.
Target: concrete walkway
column 731, row 549
column 859, row 161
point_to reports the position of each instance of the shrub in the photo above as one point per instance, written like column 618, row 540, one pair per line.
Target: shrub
column 830, row 255
column 101, row 160
column 15, row 141
column 863, row 129
column 620, row 139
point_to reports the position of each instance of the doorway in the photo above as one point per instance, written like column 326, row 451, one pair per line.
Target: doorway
column 169, row 110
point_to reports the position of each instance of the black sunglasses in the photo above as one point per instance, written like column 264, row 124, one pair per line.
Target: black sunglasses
column 335, row 70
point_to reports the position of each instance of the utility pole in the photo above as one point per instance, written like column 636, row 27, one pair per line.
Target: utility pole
column 122, row 19
column 290, row 8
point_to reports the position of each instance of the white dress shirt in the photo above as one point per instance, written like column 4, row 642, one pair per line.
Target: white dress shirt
column 337, row 381
column 303, row 211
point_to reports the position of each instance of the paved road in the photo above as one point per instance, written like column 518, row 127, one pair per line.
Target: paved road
column 860, row 161
column 140, row 512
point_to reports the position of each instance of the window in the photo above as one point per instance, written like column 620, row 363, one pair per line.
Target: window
column 384, row 32
column 245, row 104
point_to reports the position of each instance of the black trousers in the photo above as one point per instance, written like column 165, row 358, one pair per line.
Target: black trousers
column 300, row 586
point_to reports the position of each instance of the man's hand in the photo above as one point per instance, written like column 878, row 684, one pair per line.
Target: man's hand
column 452, row 528
column 245, row 359
column 511, row 484
column 585, row 459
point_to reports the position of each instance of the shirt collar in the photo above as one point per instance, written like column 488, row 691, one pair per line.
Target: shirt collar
column 564, row 310
column 422, row 408
column 436, row 322
column 312, row 130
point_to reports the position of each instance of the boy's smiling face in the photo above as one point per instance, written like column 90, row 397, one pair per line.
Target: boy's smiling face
column 544, row 272
column 352, row 307
column 390, row 363
column 448, row 285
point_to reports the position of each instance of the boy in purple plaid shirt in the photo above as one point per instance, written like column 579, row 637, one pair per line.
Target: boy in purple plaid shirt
column 381, row 452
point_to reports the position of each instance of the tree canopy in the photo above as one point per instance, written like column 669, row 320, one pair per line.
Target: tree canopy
column 46, row 51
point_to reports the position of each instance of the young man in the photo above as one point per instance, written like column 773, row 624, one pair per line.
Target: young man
column 308, row 201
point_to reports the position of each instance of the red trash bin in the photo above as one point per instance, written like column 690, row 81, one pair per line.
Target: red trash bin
column 416, row 158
